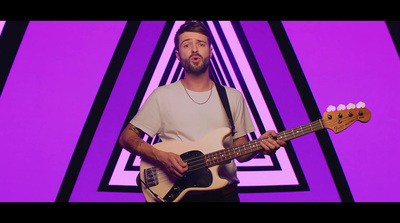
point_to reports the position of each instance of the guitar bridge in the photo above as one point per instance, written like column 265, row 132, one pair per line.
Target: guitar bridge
column 150, row 176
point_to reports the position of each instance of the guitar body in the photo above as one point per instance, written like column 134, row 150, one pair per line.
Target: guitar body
column 202, row 179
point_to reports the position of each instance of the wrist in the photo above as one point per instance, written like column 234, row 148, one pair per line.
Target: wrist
column 156, row 154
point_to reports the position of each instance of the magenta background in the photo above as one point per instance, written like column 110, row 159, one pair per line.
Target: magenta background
column 45, row 102
column 111, row 123
column 349, row 62
column 293, row 114
column 60, row 65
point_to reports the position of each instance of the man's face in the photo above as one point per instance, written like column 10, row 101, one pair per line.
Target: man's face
column 194, row 52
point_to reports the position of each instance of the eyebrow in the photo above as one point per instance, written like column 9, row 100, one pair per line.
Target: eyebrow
column 198, row 40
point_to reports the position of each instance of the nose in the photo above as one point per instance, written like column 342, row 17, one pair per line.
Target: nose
column 194, row 48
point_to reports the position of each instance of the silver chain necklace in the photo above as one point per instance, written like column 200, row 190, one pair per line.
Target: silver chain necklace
column 199, row 103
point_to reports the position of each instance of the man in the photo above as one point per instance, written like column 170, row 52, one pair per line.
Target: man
column 188, row 109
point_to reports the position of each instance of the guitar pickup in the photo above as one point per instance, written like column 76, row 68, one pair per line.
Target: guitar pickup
column 150, row 176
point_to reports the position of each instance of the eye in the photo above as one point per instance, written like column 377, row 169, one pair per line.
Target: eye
column 186, row 45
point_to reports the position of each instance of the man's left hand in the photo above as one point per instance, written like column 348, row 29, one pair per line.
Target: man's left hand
column 270, row 145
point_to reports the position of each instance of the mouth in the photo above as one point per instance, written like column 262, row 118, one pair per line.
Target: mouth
column 195, row 59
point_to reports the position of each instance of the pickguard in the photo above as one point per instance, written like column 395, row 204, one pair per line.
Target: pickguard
column 195, row 177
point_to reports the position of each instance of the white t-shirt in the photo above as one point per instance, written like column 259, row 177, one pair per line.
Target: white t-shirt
column 172, row 115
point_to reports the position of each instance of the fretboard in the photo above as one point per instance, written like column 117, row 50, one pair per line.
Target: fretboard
column 221, row 156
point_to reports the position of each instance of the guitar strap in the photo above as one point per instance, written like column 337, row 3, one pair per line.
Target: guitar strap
column 224, row 99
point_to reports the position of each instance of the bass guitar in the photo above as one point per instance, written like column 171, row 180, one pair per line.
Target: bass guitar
column 205, row 156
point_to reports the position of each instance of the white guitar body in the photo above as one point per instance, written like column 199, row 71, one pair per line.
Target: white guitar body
column 164, row 187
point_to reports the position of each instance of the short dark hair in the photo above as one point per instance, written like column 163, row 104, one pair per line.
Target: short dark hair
column 192, row 26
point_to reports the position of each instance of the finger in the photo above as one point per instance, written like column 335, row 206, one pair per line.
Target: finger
column 271, row 133
column 178, row 167
column 270, row 147
column 181, row 162
column 171, row 171
column 179, row 174
column 281, row 143
column 274, row 143
column 176, row 174
column 267, row 151
column 174, row 170
column 267, row 146
column 270, row 144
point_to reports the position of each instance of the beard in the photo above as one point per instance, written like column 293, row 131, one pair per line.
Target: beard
column 196, row 68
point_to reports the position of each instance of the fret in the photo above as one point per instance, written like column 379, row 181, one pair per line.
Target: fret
column 219, row 156
column 233, row 152
column 236, row 151
column 297, row 134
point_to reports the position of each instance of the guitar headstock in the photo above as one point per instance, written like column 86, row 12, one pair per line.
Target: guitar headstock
column 342, row 118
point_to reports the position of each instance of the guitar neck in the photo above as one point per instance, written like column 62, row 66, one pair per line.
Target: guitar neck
column 221, row 156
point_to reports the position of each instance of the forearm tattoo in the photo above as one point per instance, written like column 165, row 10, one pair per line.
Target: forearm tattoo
column 136, row 141
column 138, row 131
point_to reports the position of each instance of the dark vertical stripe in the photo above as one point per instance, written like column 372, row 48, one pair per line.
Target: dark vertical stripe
column 134, row 108
column 240, row 78
column 10, row 39
column 312, row 110
column 168, row 69
column 394, row 30
column 217, row 72
column 96, row 111
column 178, row 73
column 218, row 57
column 270, row 103
column 215, row 76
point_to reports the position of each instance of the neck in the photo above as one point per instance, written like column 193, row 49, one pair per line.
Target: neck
column 221, row 156
column 197, row 83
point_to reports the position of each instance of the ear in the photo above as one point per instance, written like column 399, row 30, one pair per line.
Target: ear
column 177, row 55
column 211, row 52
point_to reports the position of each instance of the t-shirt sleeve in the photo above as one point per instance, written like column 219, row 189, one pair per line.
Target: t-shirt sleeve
column 148, row 117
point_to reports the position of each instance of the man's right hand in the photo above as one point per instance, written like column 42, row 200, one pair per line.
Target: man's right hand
column 172, row 163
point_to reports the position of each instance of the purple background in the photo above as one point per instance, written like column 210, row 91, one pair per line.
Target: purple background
column 111, row 123
column 45, row 102
column 60, row 65
column 293, row 114
column 349, row 62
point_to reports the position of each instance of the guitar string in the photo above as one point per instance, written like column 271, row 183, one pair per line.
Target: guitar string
column 164, row 177
column 197, row 163
column 200, row 159
column 245, row 145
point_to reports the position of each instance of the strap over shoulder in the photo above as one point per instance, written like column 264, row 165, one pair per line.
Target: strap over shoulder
column 224, row 100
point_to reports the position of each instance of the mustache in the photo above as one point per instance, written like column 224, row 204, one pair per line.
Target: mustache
column 196, row 54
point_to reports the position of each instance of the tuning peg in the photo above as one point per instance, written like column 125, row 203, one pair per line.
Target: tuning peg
column 331, row 108
column 341, row 107
column 351, row 106
column 360, row 104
